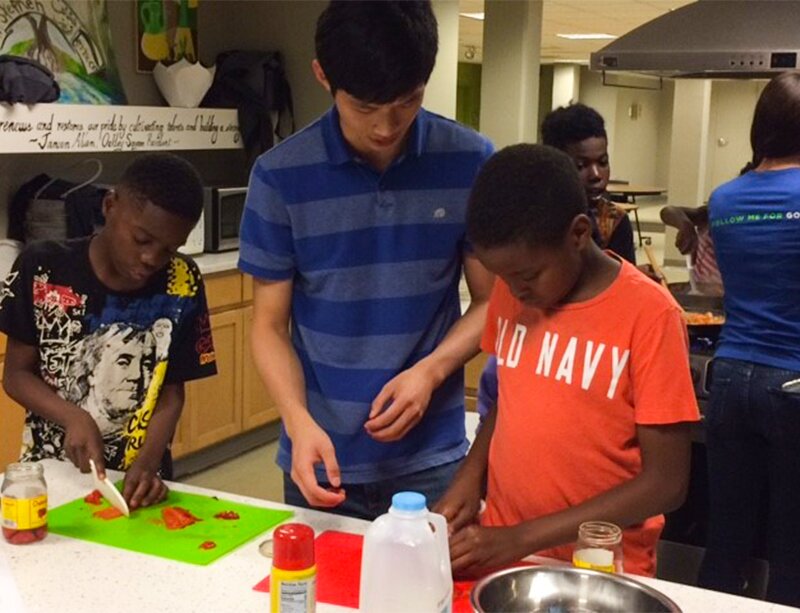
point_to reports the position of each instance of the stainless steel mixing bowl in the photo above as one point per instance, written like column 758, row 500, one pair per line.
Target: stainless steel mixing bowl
column 563, row 589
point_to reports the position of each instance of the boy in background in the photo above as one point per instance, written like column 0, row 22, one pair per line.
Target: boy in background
column 580, row 132
column 592, row 420
column 103, row 331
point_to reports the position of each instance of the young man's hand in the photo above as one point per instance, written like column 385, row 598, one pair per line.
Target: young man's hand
column 477, row 548
column 460, row 504
column 143, row 487
column 310, row 446
column 82, row 440
column 400, row 405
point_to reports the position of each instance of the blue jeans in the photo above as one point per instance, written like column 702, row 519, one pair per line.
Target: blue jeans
column 753, row 444
column 369, row 500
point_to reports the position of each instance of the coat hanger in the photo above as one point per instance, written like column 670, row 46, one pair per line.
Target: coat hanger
column 98, row 171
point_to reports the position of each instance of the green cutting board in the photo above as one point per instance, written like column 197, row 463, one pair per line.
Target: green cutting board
column 144, row 530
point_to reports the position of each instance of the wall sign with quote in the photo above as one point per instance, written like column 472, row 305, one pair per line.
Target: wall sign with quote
column 72, row 39
column 167, row 31
column 68, row 128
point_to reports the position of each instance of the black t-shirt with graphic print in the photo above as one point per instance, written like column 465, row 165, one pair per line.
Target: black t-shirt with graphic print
column 108, row 352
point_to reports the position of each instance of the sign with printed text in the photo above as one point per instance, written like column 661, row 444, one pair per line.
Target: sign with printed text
column 60, row 128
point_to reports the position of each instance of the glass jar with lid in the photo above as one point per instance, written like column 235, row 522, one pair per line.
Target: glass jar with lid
column 599, row 547
column 24, row 503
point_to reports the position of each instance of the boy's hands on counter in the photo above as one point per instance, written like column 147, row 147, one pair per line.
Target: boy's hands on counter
column 461, row 502
column 477, row 548
column 143, row 487
column 82, row 440
column 400, row 404
column 310, row 446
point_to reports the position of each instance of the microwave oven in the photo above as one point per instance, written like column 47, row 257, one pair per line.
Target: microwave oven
column 222, row 214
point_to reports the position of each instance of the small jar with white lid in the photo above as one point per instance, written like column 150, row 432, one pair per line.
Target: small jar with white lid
column 599, row 547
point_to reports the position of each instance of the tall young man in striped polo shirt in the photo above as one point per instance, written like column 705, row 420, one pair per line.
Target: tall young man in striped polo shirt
column 354, row 233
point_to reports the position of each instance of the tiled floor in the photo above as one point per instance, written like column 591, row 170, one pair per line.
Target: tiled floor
column 254, row 473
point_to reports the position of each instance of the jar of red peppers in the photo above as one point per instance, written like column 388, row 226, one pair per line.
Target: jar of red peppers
column 24, row 503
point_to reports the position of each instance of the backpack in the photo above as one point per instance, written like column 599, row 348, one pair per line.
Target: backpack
column 254, row 82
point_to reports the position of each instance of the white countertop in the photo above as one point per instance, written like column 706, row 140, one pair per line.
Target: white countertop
column 216, row 262
column 68, row 575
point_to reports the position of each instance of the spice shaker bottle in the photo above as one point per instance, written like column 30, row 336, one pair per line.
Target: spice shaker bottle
column 293, row 582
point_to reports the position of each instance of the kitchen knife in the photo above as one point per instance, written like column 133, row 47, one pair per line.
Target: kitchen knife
column 109, row 492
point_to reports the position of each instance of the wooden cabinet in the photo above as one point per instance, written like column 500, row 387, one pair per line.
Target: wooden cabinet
column 258, row 407
column 215, row 403
column 472, row 376
column 235, row 401
column 12, row 418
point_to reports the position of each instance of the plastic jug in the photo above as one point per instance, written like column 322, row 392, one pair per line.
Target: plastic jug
column 405, row 565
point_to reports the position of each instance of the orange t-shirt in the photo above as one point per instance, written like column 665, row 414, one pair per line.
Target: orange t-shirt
column 574, row 382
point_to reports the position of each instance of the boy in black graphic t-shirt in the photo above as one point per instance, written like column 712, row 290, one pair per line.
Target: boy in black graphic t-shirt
column 104, row 331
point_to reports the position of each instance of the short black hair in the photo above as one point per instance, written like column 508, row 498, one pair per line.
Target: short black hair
column 572, row 124
column 527, row 193
column 168, row 181
column 377, row 50
column 775, row 132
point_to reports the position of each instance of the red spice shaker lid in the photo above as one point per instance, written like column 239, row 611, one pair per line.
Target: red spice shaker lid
column 293, row 547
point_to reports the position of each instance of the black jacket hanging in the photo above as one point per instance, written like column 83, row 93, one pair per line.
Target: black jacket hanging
column 254, row 82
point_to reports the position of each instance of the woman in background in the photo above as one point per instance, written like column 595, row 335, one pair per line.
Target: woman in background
column 753, row 421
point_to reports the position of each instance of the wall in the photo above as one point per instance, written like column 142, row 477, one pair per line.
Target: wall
column 640, row 149
column 637, row 135
column 604, row 100
column 287, row 26
column 637, row 123
column 217, row 27
column 665, row 133
column 732, row 105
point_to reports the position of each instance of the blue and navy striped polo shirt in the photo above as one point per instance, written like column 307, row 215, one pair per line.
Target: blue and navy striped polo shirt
column 375, row 259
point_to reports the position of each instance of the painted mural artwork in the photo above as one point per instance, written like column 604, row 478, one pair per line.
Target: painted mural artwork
column 167, row 32
column 72, row 39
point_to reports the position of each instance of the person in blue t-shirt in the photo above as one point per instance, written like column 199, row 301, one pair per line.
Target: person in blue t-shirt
column 354, row 232
column 753, row 418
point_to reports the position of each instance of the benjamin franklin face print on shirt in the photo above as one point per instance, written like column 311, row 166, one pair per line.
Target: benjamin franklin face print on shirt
column 109, row 353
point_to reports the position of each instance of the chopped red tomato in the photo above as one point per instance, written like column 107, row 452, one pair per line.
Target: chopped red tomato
column 177, row 518
column 95, row 498
column 108, row 513
column 208, row 545
column 227, row 515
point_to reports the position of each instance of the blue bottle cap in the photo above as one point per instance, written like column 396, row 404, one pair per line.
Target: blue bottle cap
column 408, row 501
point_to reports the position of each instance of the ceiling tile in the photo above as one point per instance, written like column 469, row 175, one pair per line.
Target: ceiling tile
column 573, row 16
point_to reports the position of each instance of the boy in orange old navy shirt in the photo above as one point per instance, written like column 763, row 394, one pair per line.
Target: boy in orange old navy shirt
column 595, row 395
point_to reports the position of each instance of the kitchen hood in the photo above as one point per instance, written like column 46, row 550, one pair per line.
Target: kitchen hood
column 710, row 39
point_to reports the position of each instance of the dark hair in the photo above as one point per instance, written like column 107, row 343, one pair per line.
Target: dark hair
column 572, row 124
column 775, row 132
column 525, row 193
column 168, row 181
column 377, row 51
